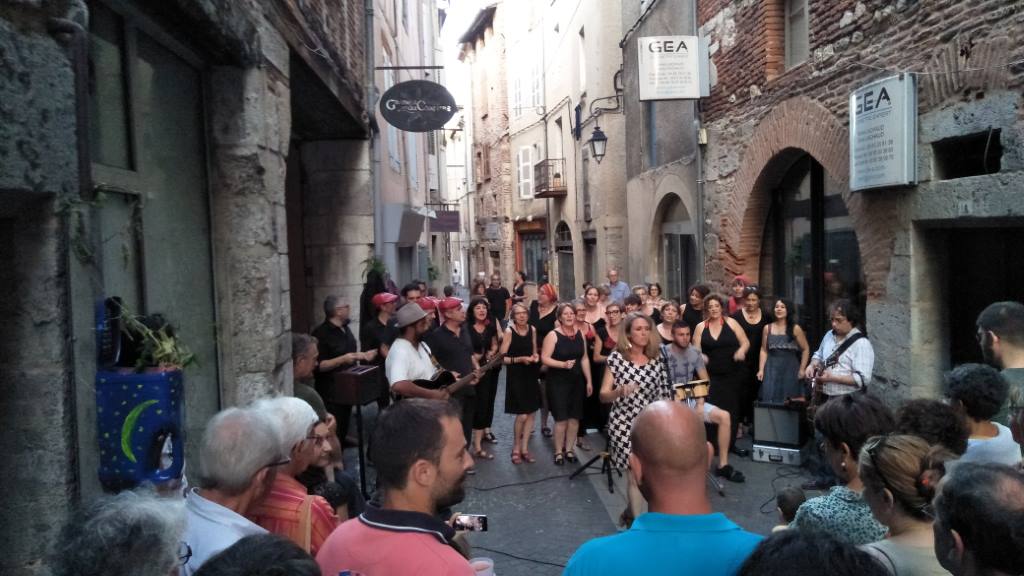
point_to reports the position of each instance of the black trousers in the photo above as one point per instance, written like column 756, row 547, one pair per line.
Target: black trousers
column 468, row 406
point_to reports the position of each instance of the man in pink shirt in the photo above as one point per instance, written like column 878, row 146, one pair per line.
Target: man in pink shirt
column 420, row 453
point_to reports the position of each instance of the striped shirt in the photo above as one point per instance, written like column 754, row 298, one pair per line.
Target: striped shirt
column 281, row 509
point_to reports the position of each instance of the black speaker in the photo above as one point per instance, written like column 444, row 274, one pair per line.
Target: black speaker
column 777, row 425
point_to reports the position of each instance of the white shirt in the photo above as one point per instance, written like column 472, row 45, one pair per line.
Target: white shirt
column 407, row 363
column 1001, row 449
column 211, row 528
column 858, row 361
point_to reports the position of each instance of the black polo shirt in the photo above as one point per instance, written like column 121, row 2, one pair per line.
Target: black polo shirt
column 374, row 334
column 497, row 298
column 453, row 352
column 333, row 341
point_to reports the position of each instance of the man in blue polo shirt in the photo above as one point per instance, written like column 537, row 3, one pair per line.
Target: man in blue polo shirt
column 680, row 534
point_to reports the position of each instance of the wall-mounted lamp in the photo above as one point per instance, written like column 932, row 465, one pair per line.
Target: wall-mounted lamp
column 598, row 144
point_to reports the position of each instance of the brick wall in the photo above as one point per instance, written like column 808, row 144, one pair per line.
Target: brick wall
column 851, row 43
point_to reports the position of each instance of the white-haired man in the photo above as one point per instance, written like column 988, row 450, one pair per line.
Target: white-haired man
column 238, row 457
column 287, row 509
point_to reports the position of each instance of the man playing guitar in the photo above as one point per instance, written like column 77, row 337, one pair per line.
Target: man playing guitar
column 453, row 350
column 409, row 359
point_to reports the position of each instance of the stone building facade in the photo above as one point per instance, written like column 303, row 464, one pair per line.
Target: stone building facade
column 923, row 259
column 489, row 170
column 160, row 152
column 568, row 209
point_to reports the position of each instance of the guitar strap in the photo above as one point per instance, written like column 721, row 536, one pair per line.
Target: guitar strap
column 833, row 358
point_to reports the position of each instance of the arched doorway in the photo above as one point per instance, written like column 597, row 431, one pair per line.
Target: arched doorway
column 563, row 252
column 676, row 244
column 809, row 250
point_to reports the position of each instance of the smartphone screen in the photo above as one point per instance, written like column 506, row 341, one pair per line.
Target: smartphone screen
column 471, row 522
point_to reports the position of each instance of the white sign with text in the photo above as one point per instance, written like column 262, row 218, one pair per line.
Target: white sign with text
column 883, row 133
column 669, row 68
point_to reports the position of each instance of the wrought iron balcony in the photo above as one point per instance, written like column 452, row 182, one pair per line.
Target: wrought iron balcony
column 549, row 179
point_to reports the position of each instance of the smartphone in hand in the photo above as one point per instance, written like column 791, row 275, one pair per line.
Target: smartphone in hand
column 471, row 522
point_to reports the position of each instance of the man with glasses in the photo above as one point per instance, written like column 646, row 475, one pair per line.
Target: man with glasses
column 841, row 365
column 1001, row 337
column 287, row 509
column 239, row 456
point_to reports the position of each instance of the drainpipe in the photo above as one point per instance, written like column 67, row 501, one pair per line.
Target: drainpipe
column 700, row 163
column 371, row 92
column 76, row 39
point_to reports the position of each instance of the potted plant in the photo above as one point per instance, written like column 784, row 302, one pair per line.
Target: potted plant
column 154, row 345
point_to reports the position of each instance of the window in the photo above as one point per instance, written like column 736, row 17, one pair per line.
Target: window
column 394, row 156
column 524, row 160
column 809, row 252
column 582, row 51
column 517, row 96
column 797, row 42
column 968, row 155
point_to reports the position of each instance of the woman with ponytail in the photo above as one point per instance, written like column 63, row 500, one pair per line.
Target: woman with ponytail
column 900, row 473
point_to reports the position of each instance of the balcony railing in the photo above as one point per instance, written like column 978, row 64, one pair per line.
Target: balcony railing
column 549, row 179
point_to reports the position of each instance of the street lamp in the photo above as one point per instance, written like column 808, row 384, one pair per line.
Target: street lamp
column 598, row 144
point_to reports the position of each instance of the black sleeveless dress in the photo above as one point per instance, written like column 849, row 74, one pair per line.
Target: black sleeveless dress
column 692, row 317
column 727, row 375
column 595, row 413
column 522, row 395
column 487, row 387
column 755, row 335
column 566, row 388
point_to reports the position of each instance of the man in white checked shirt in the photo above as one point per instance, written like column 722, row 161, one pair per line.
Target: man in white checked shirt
column 843, row 364
column 851, row 371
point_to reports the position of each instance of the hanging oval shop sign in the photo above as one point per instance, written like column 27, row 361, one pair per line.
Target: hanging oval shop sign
column 417, row 106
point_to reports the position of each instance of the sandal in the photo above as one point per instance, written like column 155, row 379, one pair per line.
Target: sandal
column 570, row 456
column 481, row 453
column 517, row 458
column 546, row 432
column 528, row 458
column 731, row 474
column 626, row 518
column 490, row 438
column 559, row 459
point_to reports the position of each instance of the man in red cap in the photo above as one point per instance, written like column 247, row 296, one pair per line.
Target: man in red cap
column 378, row 333
column 429, row 305
column 453, row 349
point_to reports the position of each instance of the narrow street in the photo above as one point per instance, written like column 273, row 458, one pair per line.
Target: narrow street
column 537, row 517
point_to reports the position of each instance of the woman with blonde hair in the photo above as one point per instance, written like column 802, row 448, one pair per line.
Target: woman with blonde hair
column 522, row 395
column 900, row 473
column 635, row 377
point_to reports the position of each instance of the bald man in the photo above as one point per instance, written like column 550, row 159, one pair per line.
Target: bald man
column 680, row 534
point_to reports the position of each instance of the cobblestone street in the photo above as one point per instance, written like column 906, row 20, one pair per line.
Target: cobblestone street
column 537, row 517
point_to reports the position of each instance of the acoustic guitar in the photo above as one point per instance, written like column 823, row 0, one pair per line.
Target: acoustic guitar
column 445, row 380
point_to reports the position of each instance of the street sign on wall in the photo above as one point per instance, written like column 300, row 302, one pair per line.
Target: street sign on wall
column 883, row 133
column 417, row 106
column 670, row 68
column 446, row 221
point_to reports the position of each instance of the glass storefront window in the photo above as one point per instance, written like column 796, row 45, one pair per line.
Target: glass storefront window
column 809, row 250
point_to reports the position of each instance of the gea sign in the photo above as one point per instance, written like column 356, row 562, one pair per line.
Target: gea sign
column 670, row 67
column 417, row 106
column 883, row 134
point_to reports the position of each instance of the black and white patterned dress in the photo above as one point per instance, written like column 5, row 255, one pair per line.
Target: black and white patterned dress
column 654, row 385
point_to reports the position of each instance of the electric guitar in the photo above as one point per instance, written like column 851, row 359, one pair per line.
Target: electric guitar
column 445, row 380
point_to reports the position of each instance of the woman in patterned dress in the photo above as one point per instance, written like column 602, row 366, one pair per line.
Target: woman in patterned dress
column 635, row 377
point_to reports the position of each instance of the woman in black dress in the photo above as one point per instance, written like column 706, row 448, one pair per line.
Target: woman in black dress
column 693, row 311
column 484, row 334
column 565, row 354
column 723, row 343
column 752, row 319
column 522, row 395
column 595, row 415
column 542, row 318
column 519, row 287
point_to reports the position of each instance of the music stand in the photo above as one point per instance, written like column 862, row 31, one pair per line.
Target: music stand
column 606, row 468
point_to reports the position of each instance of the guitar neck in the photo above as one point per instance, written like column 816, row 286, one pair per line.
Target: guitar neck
column 464, row 380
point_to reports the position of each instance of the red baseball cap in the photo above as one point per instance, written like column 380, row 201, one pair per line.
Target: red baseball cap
column 428, row 303
column 449, row 303
column 383, row 298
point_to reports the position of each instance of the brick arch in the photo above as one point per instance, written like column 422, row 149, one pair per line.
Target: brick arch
column 793, row 127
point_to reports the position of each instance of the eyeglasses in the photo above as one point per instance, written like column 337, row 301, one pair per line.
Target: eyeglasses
column 613, row 311
column 317, row 439
column 286, row 460
column 184, row 553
